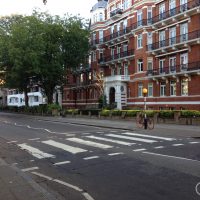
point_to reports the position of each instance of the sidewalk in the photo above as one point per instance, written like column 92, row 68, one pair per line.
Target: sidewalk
column 15, row 184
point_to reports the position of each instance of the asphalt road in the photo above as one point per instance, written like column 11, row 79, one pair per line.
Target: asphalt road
column 74, row 162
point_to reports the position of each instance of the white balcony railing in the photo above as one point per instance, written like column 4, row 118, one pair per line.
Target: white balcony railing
column 117, row 78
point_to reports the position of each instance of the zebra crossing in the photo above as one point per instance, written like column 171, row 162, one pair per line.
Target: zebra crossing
column 89, row 145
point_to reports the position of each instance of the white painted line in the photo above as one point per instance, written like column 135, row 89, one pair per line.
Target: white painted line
column 137, row 150
column 35, row 152
column 32, row 160
column 149, row 136
column 176, row 145
column 159, row 147
column 113, row 131
column 76, row 188
column 194, row 142
column 90, row 143
column 14, row 141
column 34, row 139
column 99, row 132
column 168, row 156
column 42, row 176
column 90, row 158
column 62, row 163
column 87, row 196
column 30, row 169
column 115, row 154
column 68, row 185
column 131, row 138
column 64, row 147
column 110, row 140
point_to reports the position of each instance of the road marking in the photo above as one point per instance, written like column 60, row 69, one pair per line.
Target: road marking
column 137, row 150
column 110, row 140
column 91, row 157
column 30, row 169
column 149, row 136
column 62, row 163
column 35, row 152
column 176, row 145
column 33, row 139
column 99, row 132
column 131, row 138
column 64, row 147
column 194, row 142
column 14, row 141
column 168, row 156
column 115, row 154
column 159, row 147
column 90, row 143
column 76, row 188
column 42, row 176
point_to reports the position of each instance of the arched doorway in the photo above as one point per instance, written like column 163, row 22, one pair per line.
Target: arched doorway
column 112, row 96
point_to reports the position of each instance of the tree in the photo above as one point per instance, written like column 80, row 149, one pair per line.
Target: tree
column 42, row 46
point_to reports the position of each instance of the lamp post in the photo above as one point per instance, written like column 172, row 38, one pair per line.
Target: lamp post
column 145, row 91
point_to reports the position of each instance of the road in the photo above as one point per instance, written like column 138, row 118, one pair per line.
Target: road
column 70, row 161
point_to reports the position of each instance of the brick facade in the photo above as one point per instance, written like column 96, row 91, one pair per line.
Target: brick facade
column 141, row 44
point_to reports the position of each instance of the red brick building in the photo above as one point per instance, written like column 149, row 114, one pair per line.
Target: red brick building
column 142, row 44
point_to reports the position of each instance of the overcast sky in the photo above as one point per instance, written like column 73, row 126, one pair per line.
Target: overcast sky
column 54, row 7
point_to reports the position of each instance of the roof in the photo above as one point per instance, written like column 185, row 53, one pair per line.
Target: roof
column 100, row 4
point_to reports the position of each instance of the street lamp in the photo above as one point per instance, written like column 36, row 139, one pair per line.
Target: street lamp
column 145, row 91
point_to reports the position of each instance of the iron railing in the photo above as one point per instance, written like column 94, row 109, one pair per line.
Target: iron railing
column 174, row 69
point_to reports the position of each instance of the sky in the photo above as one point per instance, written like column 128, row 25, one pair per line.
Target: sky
column 54, row 7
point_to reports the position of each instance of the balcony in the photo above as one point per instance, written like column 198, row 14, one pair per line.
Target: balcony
column 189, row 68
column 116, row 13
column 141, row 24
column 126, row 55
column 119, row 35
column 123, row 78
column 175, row 42
column 176, row 13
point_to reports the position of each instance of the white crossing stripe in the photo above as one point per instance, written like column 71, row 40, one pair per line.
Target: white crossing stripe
column 131, row 138
column 110, row 140
column 90, row 143
column 136, row 150
column 159, row 147
column 35, row 152
column 14, row 141
column 115, row 154
column 33, row 139
column 65, row 147
column 29, row 169
column 62, row 163
column 149, row 136
column 92, row 157
column 175, row 145
column 194, row 142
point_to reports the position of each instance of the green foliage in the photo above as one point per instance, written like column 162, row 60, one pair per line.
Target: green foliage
column 72, row 111
column 132, row 113
column 116, row 112
column 166, row 114
column 190, row 113
column 43, row 46
column 105, row 113
column 53, row 106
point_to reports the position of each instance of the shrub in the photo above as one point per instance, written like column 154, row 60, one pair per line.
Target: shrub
column 131, row 113
column 166, row 114
column 53, row 106
column 190, row 113
column 116, row 112
column 105, row 113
